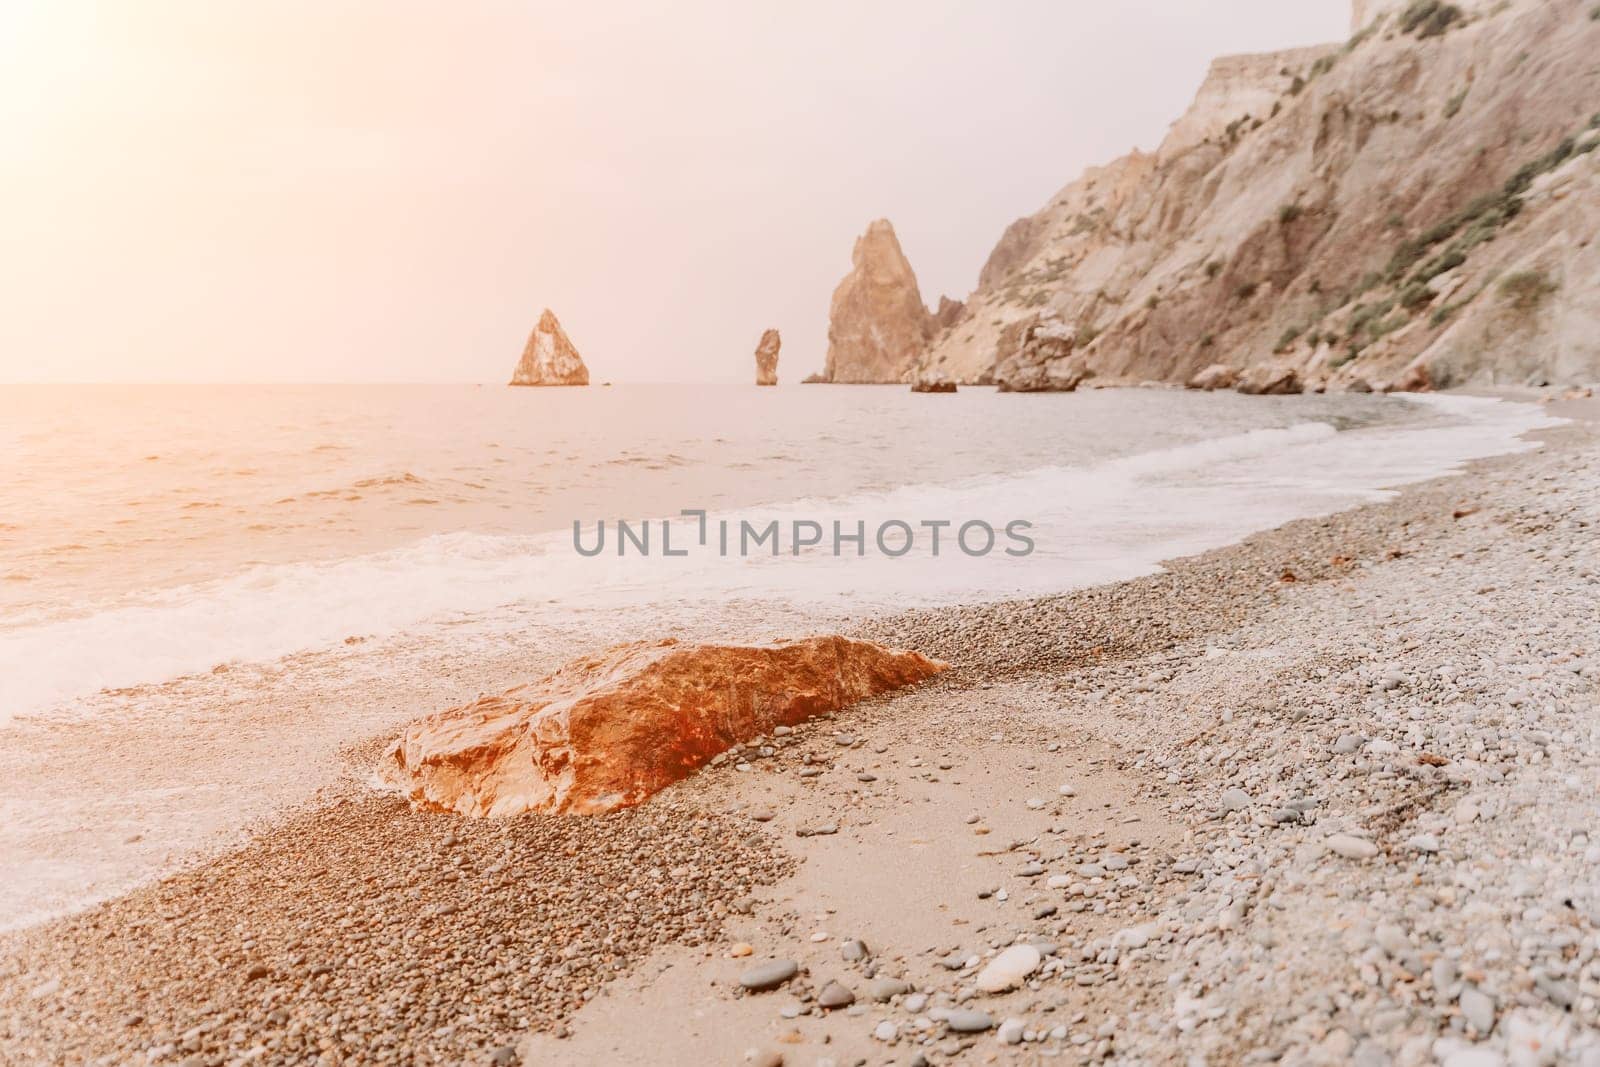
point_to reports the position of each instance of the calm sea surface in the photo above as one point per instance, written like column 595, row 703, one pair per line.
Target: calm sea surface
column 147, row 532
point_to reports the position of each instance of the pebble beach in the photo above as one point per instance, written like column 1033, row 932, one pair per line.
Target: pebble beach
column 1325, row 796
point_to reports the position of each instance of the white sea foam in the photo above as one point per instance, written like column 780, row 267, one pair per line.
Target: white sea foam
column 1090, row 524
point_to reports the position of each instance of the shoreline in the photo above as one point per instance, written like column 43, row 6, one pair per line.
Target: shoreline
column 349, row 928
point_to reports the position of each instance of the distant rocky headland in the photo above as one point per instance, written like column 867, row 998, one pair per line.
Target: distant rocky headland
column 1413, row 208
column 549, row 357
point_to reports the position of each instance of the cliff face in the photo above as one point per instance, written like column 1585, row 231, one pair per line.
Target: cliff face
column 1409, row 209
column 878, row 325
column 549, row 358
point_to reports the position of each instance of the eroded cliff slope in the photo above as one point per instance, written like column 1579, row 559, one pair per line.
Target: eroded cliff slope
column 1413, row 208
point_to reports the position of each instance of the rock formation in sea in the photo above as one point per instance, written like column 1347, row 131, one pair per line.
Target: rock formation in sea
column 878, row 325
column 607, row 731
column 1411, row 208
column 767, row 358
column 549, row 358
column 1044, row 359
column 933, row 385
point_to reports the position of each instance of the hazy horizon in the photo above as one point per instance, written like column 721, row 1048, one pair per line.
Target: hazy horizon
column 348, row 193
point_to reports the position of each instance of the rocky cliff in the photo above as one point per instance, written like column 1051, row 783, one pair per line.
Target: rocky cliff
column 878, row 325
column 1412, row 208
column 549, row 358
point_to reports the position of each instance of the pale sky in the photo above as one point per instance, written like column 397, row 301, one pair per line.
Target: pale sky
column 385, row 190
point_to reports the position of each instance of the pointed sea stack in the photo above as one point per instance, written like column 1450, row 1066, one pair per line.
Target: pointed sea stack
column 767, row 358
column 549, row 357
column 877, row 325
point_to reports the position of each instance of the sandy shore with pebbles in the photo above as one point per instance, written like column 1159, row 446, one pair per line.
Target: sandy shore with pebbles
column 1326, row 796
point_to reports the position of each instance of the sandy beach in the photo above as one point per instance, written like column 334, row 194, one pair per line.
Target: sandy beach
column 1324, row 796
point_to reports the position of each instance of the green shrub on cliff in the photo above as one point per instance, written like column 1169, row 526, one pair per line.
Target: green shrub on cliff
column 1526, row 289
column 1429, row 18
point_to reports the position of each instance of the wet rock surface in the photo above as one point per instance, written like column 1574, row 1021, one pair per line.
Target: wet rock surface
column 608, row 730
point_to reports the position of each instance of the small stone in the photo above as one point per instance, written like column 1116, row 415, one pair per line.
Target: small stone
column 1133, row 937
column 1392, row 939
column 915, row 1003
column 766, row 976
column 834, row 995
column 886, row 989
column 853, row 950
column 740, row 949
column 504, row 1056
column 1011, row 1031
column 1351, row 848
column 886, row 1031
column 967, row 1021
column 1425, row 843
column 1477, row 1008
column 1067, row 791
column 1471, row 1057
column 1009, row 969
column 1235, row 800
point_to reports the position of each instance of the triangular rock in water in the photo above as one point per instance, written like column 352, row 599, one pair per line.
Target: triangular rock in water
column 549, row 358
column 877, row 325
column 767, row 358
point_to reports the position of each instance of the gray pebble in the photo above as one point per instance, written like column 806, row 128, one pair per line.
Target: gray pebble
column 967, row 1021
column 765, row 976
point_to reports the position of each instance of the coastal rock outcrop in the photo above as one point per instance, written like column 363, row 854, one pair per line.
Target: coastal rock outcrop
column 1345, row 211
column 549, row 358
column 878, row 325
column 767, row 358
column 1045, row 360
column 1266, row 379
column 1215, row 376
column 607, row 731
